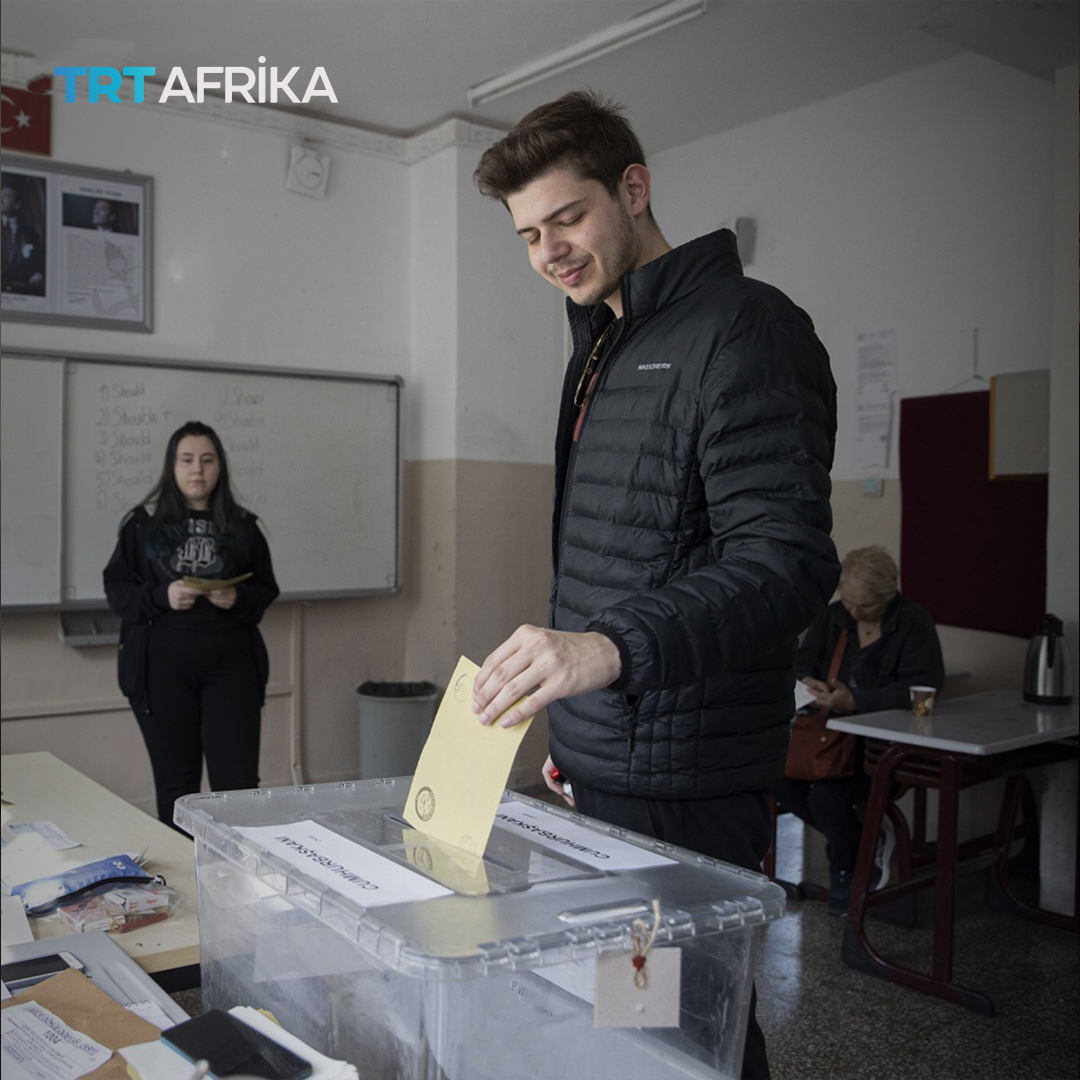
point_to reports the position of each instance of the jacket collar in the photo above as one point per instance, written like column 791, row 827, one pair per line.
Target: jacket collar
column 657, row 284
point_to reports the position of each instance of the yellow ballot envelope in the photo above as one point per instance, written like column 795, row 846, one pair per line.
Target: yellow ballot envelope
column 450, row 866
column 212, row 584
column 463, row 769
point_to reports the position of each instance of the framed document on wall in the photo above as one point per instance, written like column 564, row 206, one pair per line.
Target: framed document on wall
column 76, row 245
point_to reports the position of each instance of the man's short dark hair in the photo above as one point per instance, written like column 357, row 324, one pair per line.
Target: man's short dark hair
column 582, row 130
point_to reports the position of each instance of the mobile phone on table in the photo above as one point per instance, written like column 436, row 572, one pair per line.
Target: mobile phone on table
column 230, row 1046
column 19, row 974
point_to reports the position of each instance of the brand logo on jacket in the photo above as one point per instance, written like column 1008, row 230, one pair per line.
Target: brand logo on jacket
column 252, row 85
column 653, row 367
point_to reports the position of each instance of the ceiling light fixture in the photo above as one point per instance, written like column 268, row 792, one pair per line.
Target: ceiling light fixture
column 589, row 48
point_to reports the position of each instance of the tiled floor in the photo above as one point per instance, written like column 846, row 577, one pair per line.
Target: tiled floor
column 825, row 1021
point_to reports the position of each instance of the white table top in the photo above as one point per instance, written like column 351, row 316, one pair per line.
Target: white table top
column 988, row 723
column 41, row 787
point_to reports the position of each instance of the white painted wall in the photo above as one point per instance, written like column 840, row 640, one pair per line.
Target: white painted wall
column 488, row 351
column 511, row 347
column 921, row 204
column 1062, row 580
column 432, row 401
column 244, row 271
column 1058, row 848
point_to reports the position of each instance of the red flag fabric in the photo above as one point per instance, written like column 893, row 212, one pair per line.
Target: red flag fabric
column 26, row 117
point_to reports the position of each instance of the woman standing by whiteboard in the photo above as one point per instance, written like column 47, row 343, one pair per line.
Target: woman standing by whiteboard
column 192, row 662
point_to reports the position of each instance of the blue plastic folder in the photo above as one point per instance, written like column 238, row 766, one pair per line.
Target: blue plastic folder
column 43, row 895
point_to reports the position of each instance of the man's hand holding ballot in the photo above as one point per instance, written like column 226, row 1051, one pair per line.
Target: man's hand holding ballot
column 535, row 667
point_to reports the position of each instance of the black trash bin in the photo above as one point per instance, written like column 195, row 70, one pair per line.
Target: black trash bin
column 395, row 718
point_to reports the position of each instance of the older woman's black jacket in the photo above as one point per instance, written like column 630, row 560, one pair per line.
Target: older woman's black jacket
column 880, row 675
column 692, row 527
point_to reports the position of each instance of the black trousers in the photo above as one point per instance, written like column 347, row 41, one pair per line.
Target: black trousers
column 735, row 829
column 205, row 699
column 830, row 807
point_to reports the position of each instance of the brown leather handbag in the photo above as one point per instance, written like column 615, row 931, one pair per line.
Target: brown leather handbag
column 815, row 752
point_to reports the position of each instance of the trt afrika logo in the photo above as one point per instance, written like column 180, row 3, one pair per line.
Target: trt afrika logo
column 252, row 85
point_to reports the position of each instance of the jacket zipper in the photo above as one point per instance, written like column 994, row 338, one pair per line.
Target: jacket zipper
column 579, row 426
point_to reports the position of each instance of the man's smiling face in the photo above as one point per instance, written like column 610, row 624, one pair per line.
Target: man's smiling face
column 580, row 237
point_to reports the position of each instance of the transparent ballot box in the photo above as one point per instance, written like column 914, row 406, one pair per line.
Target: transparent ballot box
column 410, row 959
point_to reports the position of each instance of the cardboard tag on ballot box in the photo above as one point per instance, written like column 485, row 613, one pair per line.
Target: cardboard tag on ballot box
column 620, row 1002
column 463, row 769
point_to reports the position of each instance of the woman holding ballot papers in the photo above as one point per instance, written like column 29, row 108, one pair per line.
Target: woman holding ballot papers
column 190, row 579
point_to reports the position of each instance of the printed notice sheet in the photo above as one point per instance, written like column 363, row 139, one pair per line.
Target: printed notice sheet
column 876, row 366
column 579, row 842
column 354, row 871
column 35, row 1044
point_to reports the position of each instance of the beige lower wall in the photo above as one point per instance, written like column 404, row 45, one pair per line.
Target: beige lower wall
column 479, row 560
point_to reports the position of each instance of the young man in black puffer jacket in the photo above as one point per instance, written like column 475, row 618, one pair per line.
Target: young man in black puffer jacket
column 691, row 528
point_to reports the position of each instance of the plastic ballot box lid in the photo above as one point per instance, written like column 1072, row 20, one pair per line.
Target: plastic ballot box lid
column 550, row 886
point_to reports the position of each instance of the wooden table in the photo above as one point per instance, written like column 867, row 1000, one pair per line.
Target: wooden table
column 966, row 741
column 41, row 787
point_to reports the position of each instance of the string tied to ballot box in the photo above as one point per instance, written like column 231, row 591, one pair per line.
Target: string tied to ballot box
column 642, row 937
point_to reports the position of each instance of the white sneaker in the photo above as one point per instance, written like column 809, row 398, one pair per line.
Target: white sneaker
column 883, row 856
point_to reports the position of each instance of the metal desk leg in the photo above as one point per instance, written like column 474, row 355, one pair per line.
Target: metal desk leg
column 857, row 950
column 998, row 894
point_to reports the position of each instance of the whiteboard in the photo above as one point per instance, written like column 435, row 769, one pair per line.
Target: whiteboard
column 315, row 455
column 30, row 395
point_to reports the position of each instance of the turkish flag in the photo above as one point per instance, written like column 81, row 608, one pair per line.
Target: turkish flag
column 26, row 117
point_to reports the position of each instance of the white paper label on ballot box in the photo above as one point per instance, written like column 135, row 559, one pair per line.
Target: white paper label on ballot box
column 354, row 871
column 587, row 845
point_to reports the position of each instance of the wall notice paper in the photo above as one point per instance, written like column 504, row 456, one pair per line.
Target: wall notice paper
column 876, row 363
column 81, row 1008
column 463, row 768
column 578, row 841
column 354, row 871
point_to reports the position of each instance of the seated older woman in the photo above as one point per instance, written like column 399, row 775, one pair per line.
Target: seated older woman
column 890, row 644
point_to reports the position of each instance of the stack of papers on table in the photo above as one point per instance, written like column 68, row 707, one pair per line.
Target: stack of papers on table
column 65, row 1028
column 158, row 1061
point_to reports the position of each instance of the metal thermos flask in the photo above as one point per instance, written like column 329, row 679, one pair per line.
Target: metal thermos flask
column 1048, row 674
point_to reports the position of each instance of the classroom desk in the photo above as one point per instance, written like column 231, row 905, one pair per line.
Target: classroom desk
column 966, row 741
column 41, row 787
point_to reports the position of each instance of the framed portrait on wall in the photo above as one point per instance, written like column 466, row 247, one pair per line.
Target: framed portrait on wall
column 76, row 245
